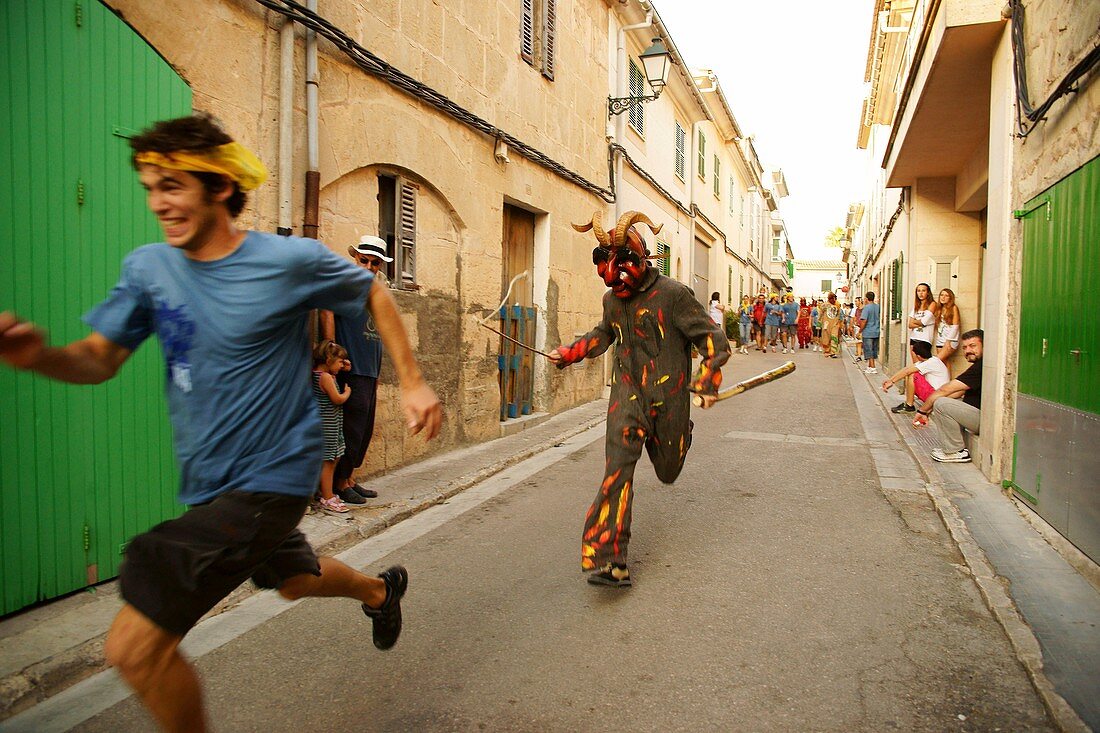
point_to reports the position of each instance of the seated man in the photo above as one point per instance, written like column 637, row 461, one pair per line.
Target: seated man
column 929, row 374
column 962, row 409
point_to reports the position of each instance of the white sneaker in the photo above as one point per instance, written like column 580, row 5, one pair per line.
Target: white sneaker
column 870, row 370
column 962, row 456
column 784, row 349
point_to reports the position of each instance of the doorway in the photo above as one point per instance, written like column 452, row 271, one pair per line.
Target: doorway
column 517, row 315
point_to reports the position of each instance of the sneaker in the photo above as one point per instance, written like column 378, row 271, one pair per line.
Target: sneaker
column 348, row 496
column 900, row 408
column 784, row 349
column 334, row 505
column 962, row 456
column 616, row 575
column 386, row 619
column 871, row 370
column 364, row 492
column 858, row 359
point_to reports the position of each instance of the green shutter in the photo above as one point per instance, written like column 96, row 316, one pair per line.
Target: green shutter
column 82, row 469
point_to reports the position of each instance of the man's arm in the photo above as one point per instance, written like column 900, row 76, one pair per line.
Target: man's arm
column 328, row 324
column 897, row 377
column 952, row 390
column 91, row 360
column 710, row 340
column 423, row 410
column 589, row 346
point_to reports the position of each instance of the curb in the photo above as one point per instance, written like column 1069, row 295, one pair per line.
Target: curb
column 993, row 589
column 41, row 680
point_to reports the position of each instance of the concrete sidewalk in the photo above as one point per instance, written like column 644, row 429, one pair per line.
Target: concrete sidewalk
column 49, row 648
column 1047, row 599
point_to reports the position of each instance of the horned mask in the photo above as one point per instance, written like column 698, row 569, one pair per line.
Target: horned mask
column 621, row 256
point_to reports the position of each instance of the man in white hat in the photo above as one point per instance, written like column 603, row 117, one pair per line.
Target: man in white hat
column 359, row 336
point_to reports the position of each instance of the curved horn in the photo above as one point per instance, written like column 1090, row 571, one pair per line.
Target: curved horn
column 629, row 219
column 597, row 225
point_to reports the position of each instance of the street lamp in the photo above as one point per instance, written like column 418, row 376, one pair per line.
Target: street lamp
column 657, row 62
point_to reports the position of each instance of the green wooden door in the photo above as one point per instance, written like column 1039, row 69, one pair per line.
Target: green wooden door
column 1058, row 404
column 82, row 469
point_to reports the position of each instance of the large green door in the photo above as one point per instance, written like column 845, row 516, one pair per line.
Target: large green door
column 82, row 469
column 1057, row 464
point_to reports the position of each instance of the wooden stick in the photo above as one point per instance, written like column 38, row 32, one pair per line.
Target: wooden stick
column 517, row 343
column 768, row 376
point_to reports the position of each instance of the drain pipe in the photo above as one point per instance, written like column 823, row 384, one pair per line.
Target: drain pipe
column 286, row 128
column 313, row 175
column 621, row 91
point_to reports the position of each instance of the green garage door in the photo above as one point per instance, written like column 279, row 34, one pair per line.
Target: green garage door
column 1057, row 464
column 81, row 468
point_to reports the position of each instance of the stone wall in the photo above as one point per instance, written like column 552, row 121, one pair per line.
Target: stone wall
column 228, row 50
column 1059, row 33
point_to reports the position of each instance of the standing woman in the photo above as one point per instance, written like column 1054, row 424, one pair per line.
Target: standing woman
column 744, row 322
column 804, row 331
column 948, row 325
column 815, row 323
column 759, row 315
column 922, row 325
column 717, row 311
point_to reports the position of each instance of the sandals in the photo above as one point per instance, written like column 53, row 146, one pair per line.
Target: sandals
column 334, row 505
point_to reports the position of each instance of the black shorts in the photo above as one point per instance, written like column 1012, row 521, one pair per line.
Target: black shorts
column 179, row 569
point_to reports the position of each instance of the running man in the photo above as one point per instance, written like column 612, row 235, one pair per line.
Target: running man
column 230, row 309
column 653, row 321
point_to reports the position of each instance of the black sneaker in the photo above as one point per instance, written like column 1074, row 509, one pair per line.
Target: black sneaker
column 349, row 497
column 903, row 408
column 386, row 619
column 616, row 575
column 364, row 492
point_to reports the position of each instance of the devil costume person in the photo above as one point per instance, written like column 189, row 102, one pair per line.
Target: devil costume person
column 653, row 322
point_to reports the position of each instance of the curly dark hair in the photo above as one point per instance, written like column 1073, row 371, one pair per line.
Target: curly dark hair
column 193, row 133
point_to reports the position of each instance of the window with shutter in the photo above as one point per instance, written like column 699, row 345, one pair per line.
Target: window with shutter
column 733, row 196
column 717, row 177
column 637, row 89
column 527, row 31
column 681, row 151
column 549, row 21
column 702, row 172
column 663, row 249
column 406, row 234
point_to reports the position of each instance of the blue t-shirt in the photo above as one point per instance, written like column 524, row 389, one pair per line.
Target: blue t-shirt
column 790, row 314
column 358, row 335
column 815, row 315
column 236, row 345
column 746, row 314
column 772, row 317
column 870, row 313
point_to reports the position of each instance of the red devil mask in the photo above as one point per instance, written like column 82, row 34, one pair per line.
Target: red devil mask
column 620, row 257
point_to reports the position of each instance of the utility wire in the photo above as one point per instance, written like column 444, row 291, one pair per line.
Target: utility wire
column 1027, row 116
column 376, row 66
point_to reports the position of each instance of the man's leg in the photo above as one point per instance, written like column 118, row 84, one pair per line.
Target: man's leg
column 336, row 580
column 950, row 417
column 359, row 412
column 148, row 658
column 606, row 532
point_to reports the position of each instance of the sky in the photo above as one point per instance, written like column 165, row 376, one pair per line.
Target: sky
column 792, row 71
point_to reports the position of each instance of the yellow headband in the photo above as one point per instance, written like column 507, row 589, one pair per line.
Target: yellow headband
column 232, row 160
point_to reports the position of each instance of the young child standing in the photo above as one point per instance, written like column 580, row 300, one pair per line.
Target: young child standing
column 329, row 359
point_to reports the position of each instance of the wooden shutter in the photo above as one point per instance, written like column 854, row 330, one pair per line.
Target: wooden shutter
column 406, row 234
column 702, row 156
column 549, row 22
column 637, row 89
column 681, row 145
column 527, row 31
column 717, row 177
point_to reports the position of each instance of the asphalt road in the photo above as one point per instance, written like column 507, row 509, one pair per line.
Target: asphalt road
column 777, row 588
